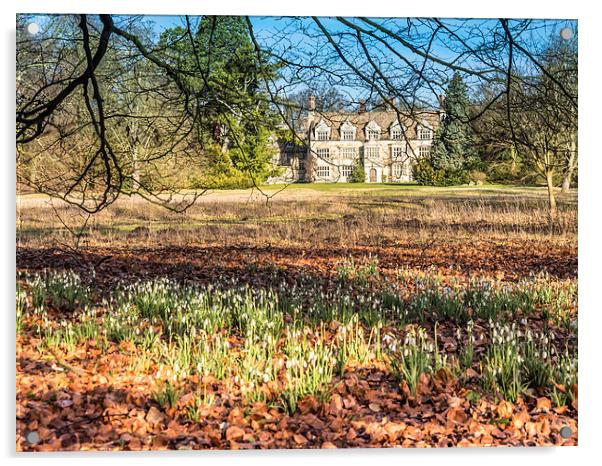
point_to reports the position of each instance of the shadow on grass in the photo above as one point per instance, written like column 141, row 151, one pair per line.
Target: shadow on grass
column 260, row 264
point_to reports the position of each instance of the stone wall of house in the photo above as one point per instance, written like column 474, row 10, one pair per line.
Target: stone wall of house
column 384, row 160
column 387, row 142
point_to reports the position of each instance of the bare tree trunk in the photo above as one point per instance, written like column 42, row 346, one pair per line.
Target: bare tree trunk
column 513, row 158
column 551, row 197
column 568, row 174
column 225, row 145
column 136, row 169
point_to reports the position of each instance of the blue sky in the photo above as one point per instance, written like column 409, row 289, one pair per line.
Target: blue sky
column 304, row 47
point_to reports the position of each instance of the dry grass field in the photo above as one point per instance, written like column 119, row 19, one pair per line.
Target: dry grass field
column 319, row 316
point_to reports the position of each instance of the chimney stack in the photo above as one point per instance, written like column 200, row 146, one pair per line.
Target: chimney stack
column 362, row 107
column 311, row 103
column 441, row 100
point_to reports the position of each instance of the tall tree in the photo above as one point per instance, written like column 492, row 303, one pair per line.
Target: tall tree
column 543, row 116
column 560, row 61
column 226, row 75
column 453, row 145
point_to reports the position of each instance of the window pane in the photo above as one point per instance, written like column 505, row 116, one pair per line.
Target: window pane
column 424, row 134
column 372, row 152
column 348, row 152
column 373, row 135
column 323, row 171
column 323, row 154
column 398, row 152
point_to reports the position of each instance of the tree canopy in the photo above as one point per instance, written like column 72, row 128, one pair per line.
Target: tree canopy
column 454, row 143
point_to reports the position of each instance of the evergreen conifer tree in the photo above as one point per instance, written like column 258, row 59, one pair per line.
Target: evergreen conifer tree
column 358, row 174
column 454, row 146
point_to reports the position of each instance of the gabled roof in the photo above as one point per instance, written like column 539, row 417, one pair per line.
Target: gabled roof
column 348, row 125
column 382, row 118
column 372, row 125
column 323, row 124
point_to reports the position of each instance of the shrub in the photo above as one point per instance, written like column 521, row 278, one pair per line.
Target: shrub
column 477, row 177
column 454, row 177
column 426, row 175
column 234, row 179
column 358, row 175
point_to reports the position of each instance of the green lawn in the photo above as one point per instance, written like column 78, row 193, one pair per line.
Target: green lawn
column 404, row 189
column 360, row 190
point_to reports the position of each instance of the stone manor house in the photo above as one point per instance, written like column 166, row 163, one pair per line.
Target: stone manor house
column 385, row 139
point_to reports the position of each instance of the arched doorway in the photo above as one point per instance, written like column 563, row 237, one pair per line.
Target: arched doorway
column 373, row 175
